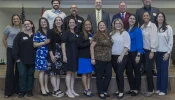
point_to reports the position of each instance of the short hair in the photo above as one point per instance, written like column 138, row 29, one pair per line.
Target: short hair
column 55, row 0
column 122, row 2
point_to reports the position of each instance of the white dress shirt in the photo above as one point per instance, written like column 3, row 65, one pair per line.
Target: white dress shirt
column 50, row 15
column 120, row 41
column 150, row 37
column 124, row 13
column 165, row 40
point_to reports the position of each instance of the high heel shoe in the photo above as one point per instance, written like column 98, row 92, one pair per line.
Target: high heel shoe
column 75, row 94
column 69, row 95
column 43, row 93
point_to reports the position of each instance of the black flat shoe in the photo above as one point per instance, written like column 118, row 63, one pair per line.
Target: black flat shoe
column 49, row 93
column 120, row 97
column 134, row 93
column 21, row 94
column 102, row 96
column 6, row 96
column 116, row 94
column 106, row 94
column 128, row 92
column 29, row 93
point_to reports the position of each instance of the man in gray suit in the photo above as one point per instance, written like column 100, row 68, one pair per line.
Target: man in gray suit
column 139, row 13
column 99, row 15
column 147, row 8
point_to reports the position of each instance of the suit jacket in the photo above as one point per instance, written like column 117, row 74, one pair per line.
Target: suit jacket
column 105, row 18
column 125, row 21
column 139, row 14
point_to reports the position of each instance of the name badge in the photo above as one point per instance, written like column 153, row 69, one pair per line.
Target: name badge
column 79, row 21
column 154, row 14
column 76, row 35
column 25, row 38
column 90, row 38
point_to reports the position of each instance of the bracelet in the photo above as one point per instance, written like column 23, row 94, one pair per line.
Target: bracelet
column 138, row 55
column 92, row 59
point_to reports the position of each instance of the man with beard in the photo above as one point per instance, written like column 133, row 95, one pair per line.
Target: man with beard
column 99, row 15
column 74, row 14
column 123, row 15
column 139, row 13
column 50, row 15
column 147, row 8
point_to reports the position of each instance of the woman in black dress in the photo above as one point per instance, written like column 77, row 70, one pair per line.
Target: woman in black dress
column 69, row 49
column 55, row 57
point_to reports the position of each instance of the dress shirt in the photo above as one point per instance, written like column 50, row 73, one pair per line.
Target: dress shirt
column 150, row 37
column 120, row 41
column 123, row 14
column 165, row 40
column 136, row 40
column 50, row 15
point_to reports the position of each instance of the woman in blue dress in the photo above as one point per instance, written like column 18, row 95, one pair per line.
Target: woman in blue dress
column 40, row 42
column 84, row 65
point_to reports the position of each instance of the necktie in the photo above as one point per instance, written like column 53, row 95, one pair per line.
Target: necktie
column 98, row 17
column 123, row 17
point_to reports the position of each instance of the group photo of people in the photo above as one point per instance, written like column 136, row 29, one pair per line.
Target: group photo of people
column 69, row 45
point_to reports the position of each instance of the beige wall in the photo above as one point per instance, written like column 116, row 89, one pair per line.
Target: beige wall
column 5, row 20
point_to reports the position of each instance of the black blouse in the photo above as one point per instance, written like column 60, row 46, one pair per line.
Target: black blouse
column 84, row 46
column 23, row 48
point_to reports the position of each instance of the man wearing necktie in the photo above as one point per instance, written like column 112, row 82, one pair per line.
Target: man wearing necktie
column 123, row 15
column 99, row 15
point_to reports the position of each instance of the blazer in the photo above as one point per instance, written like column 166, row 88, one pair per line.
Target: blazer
column 105, row 18
column 125, row 21
column 139, row 14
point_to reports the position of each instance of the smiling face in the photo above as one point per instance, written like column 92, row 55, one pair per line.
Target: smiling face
column 146, row 17
column 58, row 22
column 117, row 25
column 27, row 25
column 98, row 4
column 16, row 20
column 55, row 5
column 43, row 23
column 160, row 18
column 132, row 20
column 74, row 9
column 72, row 24
column 122, row 7
column 87, row 26
column 147, row 3
column 102, row 26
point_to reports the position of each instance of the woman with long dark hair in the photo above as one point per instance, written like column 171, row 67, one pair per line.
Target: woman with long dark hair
column 24, row 54
column 11, row 80
column 150, row 43
column 165, row 44
column 55, row 56
column 84, row 63
column 70, row 56
column 41, row 43
column 134, row 55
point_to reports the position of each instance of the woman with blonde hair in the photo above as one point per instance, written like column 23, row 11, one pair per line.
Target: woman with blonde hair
column 120, row 48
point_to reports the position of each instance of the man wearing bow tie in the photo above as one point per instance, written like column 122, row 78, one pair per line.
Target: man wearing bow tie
column 50, row 15
column 123, row 15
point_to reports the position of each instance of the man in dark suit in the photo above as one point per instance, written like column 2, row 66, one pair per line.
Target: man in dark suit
column 99, row 15
column 139, row 13
column 147, row 8
column 123, row 15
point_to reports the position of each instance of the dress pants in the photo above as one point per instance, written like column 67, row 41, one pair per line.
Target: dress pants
column 12, row 75
column 119, row 70
column 148, row 68
column 26, row 76
column 103, row 71
column 162, row 72
column 133, row 71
